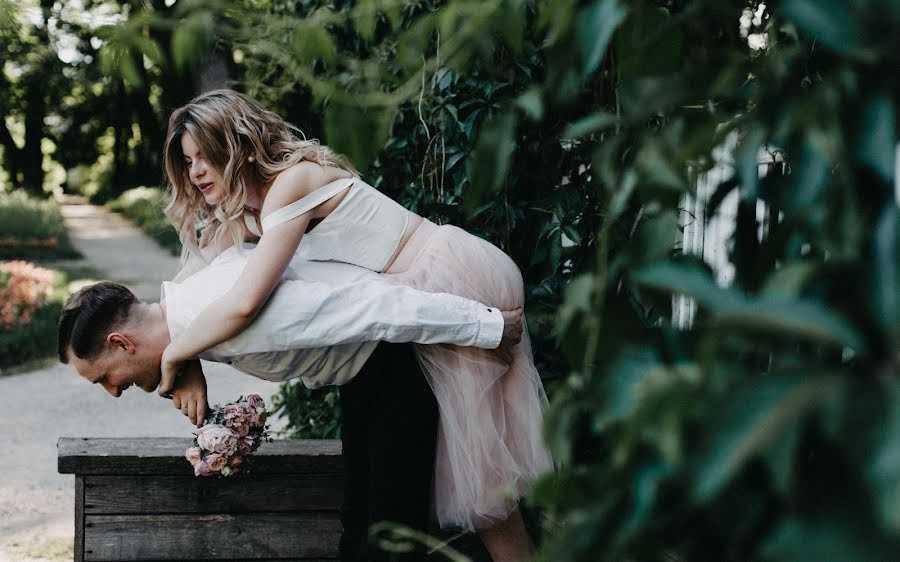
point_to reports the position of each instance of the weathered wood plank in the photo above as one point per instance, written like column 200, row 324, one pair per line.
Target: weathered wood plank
column 148, row 494
column 79, row 518
column 212, row 537
column 166, row 456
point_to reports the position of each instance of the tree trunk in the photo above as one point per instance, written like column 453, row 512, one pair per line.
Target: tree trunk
column 10, row 155
column 32, row 156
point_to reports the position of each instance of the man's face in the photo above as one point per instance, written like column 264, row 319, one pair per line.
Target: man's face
column 117, row 369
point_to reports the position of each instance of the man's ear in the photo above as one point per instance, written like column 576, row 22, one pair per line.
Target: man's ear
column 120, row 340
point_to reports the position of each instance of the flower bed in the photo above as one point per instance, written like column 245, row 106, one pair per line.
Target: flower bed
column 31, row 298
column 24, row 290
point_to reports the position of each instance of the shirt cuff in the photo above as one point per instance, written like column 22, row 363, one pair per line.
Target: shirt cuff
column 490, row 328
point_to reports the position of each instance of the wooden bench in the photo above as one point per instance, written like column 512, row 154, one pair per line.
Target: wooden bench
column 138, row 499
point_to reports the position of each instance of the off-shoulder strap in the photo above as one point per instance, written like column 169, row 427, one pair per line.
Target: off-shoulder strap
column 250, row 221
column 307, row 203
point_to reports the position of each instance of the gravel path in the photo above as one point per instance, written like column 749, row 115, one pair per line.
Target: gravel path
column 37, row 503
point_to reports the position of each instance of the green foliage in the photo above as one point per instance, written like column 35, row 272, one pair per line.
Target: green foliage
column 717, row 439
column 32, row 228
column 569, row 133
column 144, row 207
column 310, row 413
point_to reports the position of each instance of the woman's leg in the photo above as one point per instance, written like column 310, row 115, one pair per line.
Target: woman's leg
column 508, row 541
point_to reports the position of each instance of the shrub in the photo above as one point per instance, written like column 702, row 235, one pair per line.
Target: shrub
column 311, row 413
column 32, row 228
column 25, row 290
column 144, row 207
column 29, row 308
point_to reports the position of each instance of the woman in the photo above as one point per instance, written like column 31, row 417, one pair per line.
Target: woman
column 236, row 169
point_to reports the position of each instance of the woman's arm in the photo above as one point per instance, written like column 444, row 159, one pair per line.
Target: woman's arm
column 227, row 316
column 209, row 252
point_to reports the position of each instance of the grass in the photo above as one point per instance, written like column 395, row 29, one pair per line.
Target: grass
column 29, row 345
column 144, row 207
column 32, row 228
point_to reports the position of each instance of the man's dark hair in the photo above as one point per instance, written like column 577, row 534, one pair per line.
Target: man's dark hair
column 89, row 315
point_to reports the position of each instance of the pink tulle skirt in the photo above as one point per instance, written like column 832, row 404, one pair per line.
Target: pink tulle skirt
column 489, row 444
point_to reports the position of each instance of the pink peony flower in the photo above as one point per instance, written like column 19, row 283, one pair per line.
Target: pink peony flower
column 255, row 401
column 237, row 418
column 216, row 462
column 217, row 439
column 202, row 469
column 246, row 445
column 258, row 419
column 194, row 455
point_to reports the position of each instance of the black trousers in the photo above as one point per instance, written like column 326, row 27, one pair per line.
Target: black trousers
column 388, row 431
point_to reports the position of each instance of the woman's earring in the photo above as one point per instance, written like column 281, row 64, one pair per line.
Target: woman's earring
column 251, row 159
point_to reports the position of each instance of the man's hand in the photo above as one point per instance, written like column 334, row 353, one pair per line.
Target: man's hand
column 512, row 326
column 512, row 332
column 189, row 395
column 170, row 369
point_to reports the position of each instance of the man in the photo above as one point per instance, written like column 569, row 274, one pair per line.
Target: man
column 322, row 324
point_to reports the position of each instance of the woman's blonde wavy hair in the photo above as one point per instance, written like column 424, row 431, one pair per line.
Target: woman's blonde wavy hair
column 230, row 128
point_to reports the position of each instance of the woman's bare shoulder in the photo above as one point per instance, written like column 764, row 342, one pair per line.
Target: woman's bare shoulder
column 300, row 180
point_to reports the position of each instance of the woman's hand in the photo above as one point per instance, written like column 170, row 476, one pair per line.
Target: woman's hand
column 170, row 367
column 189, row 395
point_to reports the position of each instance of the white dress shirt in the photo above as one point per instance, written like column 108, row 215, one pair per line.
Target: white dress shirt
column 325, row 318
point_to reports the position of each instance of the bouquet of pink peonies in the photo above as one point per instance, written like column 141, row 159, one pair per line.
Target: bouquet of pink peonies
column 229, row 434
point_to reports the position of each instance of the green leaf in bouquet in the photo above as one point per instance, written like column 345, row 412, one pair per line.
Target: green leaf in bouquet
column 754, row 417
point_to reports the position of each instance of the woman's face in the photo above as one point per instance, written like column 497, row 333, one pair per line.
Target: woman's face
column 201, row 172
